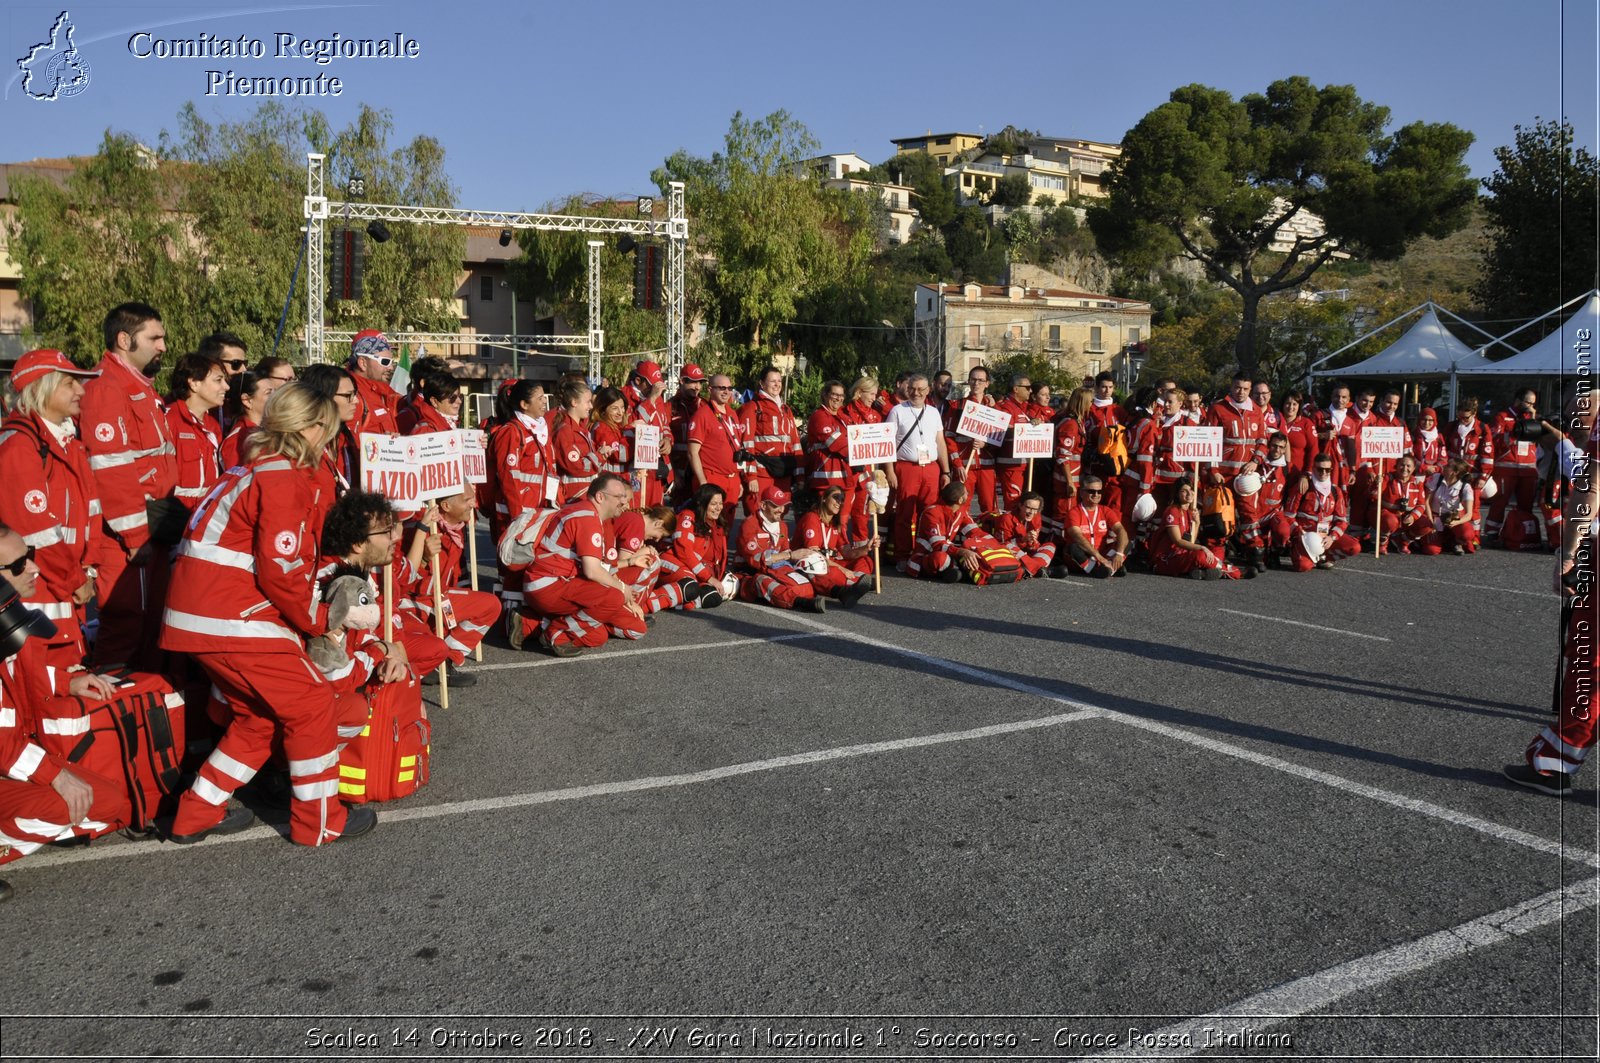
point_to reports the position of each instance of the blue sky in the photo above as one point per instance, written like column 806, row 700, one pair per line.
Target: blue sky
column 536, row 100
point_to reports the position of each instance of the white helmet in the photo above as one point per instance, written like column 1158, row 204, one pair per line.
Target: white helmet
column 815, row 565
column 1488, row 489
column 730, row 586
column 1246, row 484
column 1144, row 508
column 1313, row 545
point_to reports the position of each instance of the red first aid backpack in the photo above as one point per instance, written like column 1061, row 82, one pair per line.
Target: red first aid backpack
column 996, row 563
column 135, row 737
column 389, row 759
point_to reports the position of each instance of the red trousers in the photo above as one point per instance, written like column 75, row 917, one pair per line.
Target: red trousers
column 1272, row 530
column 1564, row 746
column 271, row 693
column 1037, row 560
column 582, row 612
column 918, row 489
column 1463, row 535
column 131, row 599
column 1342, row 546
column 1183, row 562
column 1012, row 479
column 468, row 617
column 980, row 485
column 837, row 578
column 1518, row 488
column 783, row 587
column 33, row 814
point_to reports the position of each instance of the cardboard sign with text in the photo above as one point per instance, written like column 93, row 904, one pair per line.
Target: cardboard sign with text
column 410, row 470
column 870, row 444
column 646, row 446
column 1192, row 443
column 1383, row 442
column 983, row 423
column 1033, row 441
column 474, row 461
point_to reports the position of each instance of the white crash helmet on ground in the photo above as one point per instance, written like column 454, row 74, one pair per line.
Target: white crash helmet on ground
column 1144, row 507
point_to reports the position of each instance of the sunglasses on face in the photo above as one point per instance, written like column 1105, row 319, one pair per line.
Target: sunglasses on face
column 20, row 565
column 235, row 364
column 382, row 359
column 348, row 396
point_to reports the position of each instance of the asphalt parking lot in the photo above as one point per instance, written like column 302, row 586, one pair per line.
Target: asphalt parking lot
column 1061, row 819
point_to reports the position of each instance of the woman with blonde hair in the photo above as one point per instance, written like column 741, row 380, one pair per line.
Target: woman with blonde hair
column 1067, row 462
column 50, row 497
column 243, row 601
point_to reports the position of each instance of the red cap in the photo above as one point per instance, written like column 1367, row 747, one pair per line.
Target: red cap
column 36, row 365
column 693, row 372
column 775, row 495
column 651, row 372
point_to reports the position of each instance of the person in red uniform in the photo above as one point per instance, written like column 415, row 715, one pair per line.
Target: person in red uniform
column 519, row 463
column 1300, row 429
column 1516, row 464
column 42, row 799
column 646, row 407
column 1021, row 530
column 1318, row 506
column 199, row 386
column 827, row 446
column 1144, row 443
column 243, row 599
column 861, row 407
column 634, row 543
column 1041, row 405
column 1427, row 444
column 972, row 462
column 697, row 559
column 1331, row 433
column 1244, row 434
column 135, row 468
column 247, row 399
column 888, row 398
column 938, row 553
column 1168, row 470
column 717, row 445
column 576, row 463
column 1067, row 465
column 411, row 407
column 435, row 405
column 342, row 457
column 1011, row 474
column 1174, row 549
column 1266, row 534
column 372, row 363
column 468, row 614
column 822, row 525
column 573, row 602
column 1261, row 396
column 785, row 576
column 1405, row 518
column 921, row 469
column 685, row 404
column 1103, row 412
column 1554, row 757
column 772, row 437
column 1096, row 543
column 1472, row 441
column 50, row 497
column 609, row 434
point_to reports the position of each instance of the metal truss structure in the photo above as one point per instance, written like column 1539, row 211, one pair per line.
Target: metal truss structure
column 674, row 229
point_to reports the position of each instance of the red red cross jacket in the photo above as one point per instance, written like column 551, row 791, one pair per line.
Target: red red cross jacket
column 49, row 499
column 769, row 429
column 759, row 541
column 1472, row 443
column 577, row 464
column 518, row 470
column 828, row 449
column 1312, row 510
column 199, row 452
column 1244, row 435
column 130, row 448
column 246, row 573
column 375, row 407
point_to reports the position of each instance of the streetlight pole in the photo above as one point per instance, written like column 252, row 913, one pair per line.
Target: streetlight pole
column 516, row 370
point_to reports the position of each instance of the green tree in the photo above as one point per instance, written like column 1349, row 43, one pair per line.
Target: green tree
column 1541, row 217
column 1214, row 178
column 935, row 198
column 1012, row 190
column 776, row 238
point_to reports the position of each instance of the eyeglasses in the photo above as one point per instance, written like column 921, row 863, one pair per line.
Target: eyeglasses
column 348, row 396
column 392, row 529
column 20, row 565
column 1093, row 491
column 451, row 400
column 721, row 387
column 617, row 497
column 235, row 364
column 1324, row 468
column 835, row 496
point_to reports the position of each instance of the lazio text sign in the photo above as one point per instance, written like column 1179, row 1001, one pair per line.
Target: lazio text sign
column 1192, row 443
column 870, row 444
column 1033, row 441
column 410, row 470
column 983, row 423
column 1383, row 442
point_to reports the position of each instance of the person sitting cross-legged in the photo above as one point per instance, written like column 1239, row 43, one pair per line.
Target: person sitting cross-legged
column 1020, row 529
column 787, row 576
column 1097, row 543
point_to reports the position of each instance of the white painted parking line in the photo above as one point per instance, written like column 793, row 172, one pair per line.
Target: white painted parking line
column 1449, row 583
column 1338, row 782
column 612, row 655
column 48, row 858
column 1302, row 623
column 1319, row 991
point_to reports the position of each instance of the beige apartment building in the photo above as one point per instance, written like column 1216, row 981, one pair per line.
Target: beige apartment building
column 1059, row 170
column 942, row 146
column 964, row 325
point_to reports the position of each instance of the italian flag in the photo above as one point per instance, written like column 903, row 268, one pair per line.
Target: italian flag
column 402, row 371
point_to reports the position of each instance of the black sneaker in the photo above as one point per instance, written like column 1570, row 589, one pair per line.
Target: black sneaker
column 6, row 892
column 236, row 819
column 849, row 596
column 817, row 605
column 1554, row 783
column 458, row 678
column 1123, row 571
column 950, row 575
column 358, row 820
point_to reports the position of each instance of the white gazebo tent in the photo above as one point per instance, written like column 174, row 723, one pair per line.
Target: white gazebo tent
column 1425, row 351
column 1566, row 352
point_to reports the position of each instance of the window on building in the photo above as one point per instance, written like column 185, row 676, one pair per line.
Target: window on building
column 1094, row 366
column 1057, row 184
column 1055, row 337
column 1014, row 336
column 1096, row 340
column 1133, row 336
column 486, row 289
column 974, row 338
column 966, row 180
